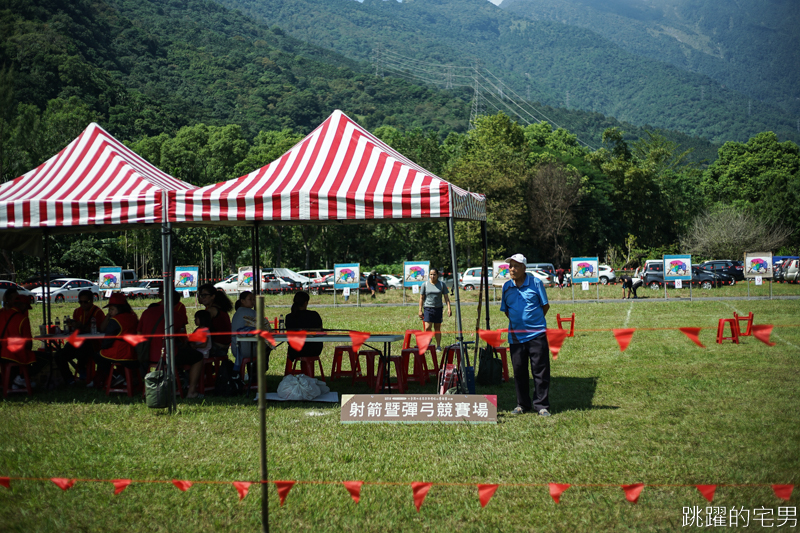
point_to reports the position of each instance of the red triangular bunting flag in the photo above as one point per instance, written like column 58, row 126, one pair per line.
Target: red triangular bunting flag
column 285, row 486
column 492, row 337
column 242, row 487
column 120, row 485
column 75, row 339
column 16, row 344
column 623, row 337
column 555, row 338
column 358, row 338
column 200, row 335
column 423, row 340
column 762, row 333
column 485, row 492
column 133, row 340
column 354, row 487
column 707, row 491
column 557, row 489
column 267, row 336
column 182, row 485
column 420, row 491
column 6, row 482
column 784, row 492
column 63, row 483
column 297, row 339
column 632, row 492
column 694, row 336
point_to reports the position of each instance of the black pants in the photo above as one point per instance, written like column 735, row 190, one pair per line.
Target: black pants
column 69, row 353
column 537, row 351
column 636, row 285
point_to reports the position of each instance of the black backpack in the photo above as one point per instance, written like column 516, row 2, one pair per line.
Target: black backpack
column 228, row 382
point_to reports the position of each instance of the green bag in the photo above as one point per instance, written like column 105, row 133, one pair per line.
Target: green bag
column 490, row 371
column 158, row 388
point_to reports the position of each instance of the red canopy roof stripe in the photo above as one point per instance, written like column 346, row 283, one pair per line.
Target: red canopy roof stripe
column 95, row 180
column 339, row 171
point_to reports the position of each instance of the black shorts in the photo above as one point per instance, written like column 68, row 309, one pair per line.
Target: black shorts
column 432, row 315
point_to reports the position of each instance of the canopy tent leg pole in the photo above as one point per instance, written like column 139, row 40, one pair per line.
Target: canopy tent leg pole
column 485, row 236
column 451, row 230
column 46, row 285
column 261, row 366
column 169, row 304
column 256, row 261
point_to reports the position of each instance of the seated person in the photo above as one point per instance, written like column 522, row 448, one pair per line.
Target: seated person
column 152, row 323
column 202, row 319
column 14, row 323
column 219, row 305
column 244, row 320
column 121, row 320
column 302, row 319
column 82, row 322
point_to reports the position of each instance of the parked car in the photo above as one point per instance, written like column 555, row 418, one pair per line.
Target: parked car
column 542, row 276
column 129, row 278
column 327, row 286
column 471, row 278
column 547, row 267
column 230, row 284
column 735, row 269
column 392, row 282
column 147, row 288
column 606, row 274
column 705, row 279
column 36, row 281
column 5, row 285
column 66, row 290
column 316, row 275
column 788, row 270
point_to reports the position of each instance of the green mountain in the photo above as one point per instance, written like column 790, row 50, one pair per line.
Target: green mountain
column 556, row 64
column 750, row 47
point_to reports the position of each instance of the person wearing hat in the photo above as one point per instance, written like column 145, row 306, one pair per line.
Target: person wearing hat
column 121, row 320
column 14, row 323
column 525, row 304
column 372, row 282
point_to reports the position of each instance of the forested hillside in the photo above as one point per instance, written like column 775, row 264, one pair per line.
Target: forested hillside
column 750, row 47
column 559, row 65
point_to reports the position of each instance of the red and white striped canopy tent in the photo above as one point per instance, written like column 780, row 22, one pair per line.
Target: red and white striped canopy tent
column 95, row 182
column 339, row 172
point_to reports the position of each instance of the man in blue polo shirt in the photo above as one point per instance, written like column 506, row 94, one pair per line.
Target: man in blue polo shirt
column 525, row 304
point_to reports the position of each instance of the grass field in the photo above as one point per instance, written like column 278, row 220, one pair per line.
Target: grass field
column 664, row 412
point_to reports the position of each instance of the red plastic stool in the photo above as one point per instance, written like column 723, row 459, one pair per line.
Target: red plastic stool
column 369, row 377
column 421, row 370
column 243, row 369
column 306, row 366
column 208, row 376
column 400, row 383
column 504, row 358
column 129, row 374
column 336, row 367
column 23, row 370
column 571, row 322
column 449, row 353
column 739, row 319
column 721, row 330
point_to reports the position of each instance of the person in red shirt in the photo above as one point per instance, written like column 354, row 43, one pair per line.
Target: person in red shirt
column 219, row 305
column 82, row 322
column 15, row 324
column 121, row 320
column 152, row 323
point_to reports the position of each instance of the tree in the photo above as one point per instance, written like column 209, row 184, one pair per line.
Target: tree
column 552, row 193
column 730, row 232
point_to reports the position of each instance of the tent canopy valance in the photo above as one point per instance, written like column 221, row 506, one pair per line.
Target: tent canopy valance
column 95, row 181
column 338, row 173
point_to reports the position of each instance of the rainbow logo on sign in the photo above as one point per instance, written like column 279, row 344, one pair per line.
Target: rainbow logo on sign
column 185, row 279
column 247, row 278
column 415, row 273
column 502, row 270
column 346, row 275
column 109, row 281
column 676, row 268
column 759, row 266
column 584, row 270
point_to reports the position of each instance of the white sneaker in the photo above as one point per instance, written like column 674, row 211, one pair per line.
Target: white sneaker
column 19, row 381
column 118, row 381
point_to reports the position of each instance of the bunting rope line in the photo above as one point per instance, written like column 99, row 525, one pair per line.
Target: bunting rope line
column 419, row 489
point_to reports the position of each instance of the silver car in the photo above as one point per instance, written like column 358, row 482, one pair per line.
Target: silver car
column 146, row 288
column 5, row 285
column 66, row 290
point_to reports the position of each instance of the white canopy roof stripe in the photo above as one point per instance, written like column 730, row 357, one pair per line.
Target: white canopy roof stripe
column 339, row 171
column 95, row 180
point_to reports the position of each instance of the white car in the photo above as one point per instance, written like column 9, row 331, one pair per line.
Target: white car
column 66, row 290
column 146, row 288
column 230, row 284
column 606, row 274
column 542, row 276
column 5, row 285
column 316, row 275
column 392, row 282
column 471, row 278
